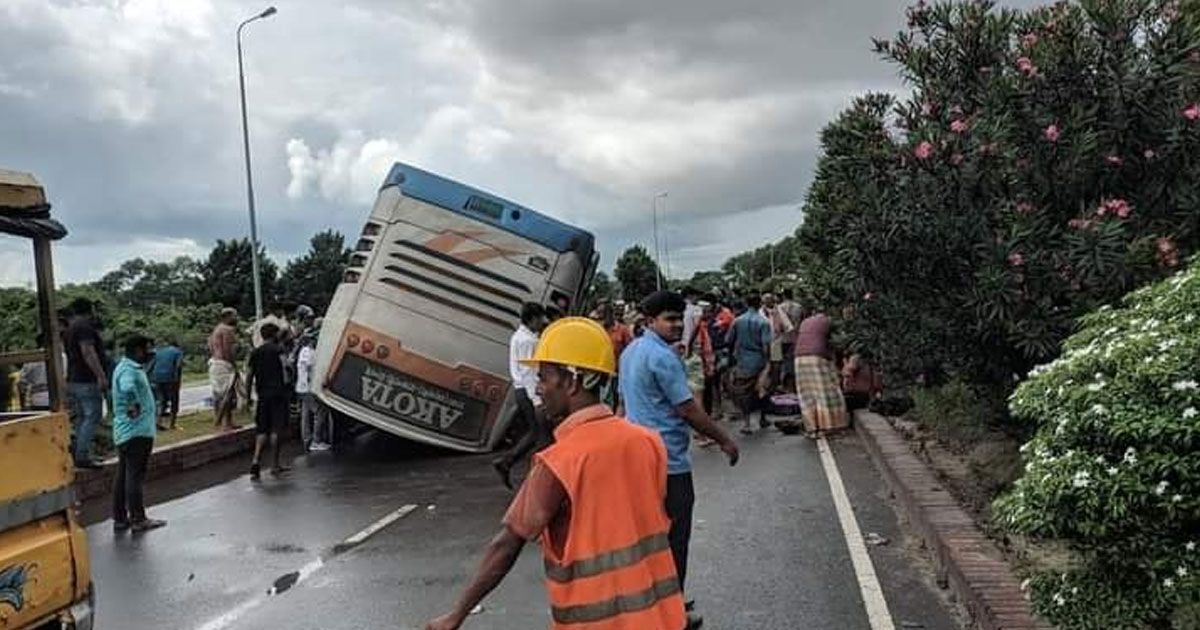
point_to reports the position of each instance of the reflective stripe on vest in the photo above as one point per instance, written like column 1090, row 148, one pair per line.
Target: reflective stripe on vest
column 610, row 561
column 621, row 604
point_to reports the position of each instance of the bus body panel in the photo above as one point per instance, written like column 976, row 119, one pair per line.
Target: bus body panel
column 416, row 341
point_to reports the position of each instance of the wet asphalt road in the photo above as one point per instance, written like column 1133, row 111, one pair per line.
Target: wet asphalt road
column 767, row 551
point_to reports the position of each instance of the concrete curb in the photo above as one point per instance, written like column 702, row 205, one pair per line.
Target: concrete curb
column 964, row 558
column 168, row 460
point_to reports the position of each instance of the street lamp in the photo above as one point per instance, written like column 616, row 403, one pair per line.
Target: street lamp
column 258, row 303
column 657, row 264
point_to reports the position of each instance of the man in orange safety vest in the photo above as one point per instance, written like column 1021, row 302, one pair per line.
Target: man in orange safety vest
column 595, row 498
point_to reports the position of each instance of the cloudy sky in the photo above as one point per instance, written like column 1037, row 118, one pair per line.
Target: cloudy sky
column 583, row 109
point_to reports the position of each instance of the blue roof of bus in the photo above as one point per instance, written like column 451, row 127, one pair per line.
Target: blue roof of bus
column 456, row 197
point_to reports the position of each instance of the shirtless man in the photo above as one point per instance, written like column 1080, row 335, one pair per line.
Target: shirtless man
column 222, row 369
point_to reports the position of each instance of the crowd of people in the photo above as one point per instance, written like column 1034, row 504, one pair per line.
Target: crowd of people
column 138, row 392
column 606, row 406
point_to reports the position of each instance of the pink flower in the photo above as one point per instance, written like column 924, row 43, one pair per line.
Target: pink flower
column 1114, row 160
column 1079, row 224
column 1052, row 133
column 924, row 150
column 868, row 296
column 1167, row 255
column 928, row 108
column 1118, row 207
column 1149, row 154
column 1192, row 112
column 1025, row 208
column 1030, row 40
column 956, row 159
column 1016, row 259
column 1025, row 65
column 959, row 126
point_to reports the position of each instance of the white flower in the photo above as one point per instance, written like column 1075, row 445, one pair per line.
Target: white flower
column 1148, row 360
column 1190, row 413
column 1169, row 583
column 1082, row 479
column 1130, row 456
column 1161, row 488
column 1112, row 470
column 1181, row 571
column 1059, row 600
column 1100, row 459
column 1180, row 386
column 1191, row 546
column 1176, row 498
column 1099, row 410
column 1095, row 387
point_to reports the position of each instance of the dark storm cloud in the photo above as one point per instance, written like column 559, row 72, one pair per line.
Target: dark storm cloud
column 127, row 110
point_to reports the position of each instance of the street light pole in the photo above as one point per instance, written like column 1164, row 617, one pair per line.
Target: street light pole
column 258, row 302
column 657, row 254
column 666, row 238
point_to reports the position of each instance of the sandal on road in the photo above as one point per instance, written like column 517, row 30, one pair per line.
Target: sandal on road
column 147, row 525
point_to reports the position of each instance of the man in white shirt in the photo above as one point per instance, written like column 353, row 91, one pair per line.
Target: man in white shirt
column 524, row 381
column 692, row 312
column 314, row 417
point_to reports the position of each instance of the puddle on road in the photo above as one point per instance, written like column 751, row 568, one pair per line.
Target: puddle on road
column 282, row 548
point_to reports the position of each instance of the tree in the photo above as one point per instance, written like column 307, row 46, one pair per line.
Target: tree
column 312, row 278
column 601, row 288
column 638, row 274
column 1046, row 162
column 139, row 283
column 227, row 276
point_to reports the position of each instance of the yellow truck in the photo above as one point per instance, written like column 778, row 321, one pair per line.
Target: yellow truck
column 45, row 580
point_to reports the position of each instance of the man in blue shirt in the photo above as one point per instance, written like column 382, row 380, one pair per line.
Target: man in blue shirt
column 166, row 375
column 655, row 393
column 133, row 434
column 750, row 339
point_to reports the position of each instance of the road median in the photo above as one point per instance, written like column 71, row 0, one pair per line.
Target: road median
column 168, row 460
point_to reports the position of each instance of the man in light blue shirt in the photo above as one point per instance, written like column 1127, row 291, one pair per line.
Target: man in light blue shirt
column 166, row 374
column 750, row 337
column 656, row 395
column 134, row 415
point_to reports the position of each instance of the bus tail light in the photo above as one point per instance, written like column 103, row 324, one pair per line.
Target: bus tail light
column 352, row 340
column 382, row 352
column 351, row 277
column 367, row 346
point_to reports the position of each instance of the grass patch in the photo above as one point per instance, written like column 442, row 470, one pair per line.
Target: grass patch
column 196, row 425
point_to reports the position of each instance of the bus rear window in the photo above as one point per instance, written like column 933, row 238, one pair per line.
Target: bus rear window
column 486, row 207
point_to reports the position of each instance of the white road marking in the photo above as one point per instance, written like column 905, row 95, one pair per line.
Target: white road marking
column 374, row 528
column 234, row 614
column 868, row 582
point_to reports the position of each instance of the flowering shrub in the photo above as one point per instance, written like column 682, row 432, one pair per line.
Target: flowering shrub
column 1046, row 162
column 1114, row 468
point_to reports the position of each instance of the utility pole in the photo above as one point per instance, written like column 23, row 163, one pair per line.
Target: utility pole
column 657, row 260
column 258, row 301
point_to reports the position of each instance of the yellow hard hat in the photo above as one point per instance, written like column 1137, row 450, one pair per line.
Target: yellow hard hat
column 576, row 342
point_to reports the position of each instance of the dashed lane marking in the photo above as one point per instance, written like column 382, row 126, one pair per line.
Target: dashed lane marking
column 288, row 580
